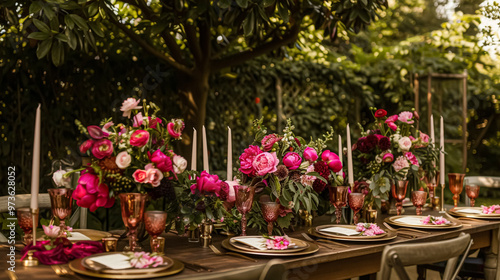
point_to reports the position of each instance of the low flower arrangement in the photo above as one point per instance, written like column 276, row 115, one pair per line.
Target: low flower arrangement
column 432, row 220
column 493, row 209
column 369, row 229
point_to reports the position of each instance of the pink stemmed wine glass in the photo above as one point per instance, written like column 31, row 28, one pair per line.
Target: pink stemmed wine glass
column 25, row 220
column 132, row 206
column 270, row 211
column 338, row 197
column 61, row 204
column 155, row 222
column 244, row 200
column 418, row 198
column 356, row 201
column 456, row 182
column 398, row 190
column 472, row 192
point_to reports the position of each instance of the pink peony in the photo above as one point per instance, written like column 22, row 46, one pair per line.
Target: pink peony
column 85, row 146
column 89, row 194
column 406, row 117
column 96, row 132
column 265, row 163
column 129, row 105
column 175, row 128
column 139, row 138
column 162, row 161
column 153, row 175
column 412, row 158
column 268, row 141
column 123, row 160
column 51, row 231
column 388, row 157
column 246, row 160
column 102, row 148
column 310, row 154
column 332, row 159
column 292, row 160
column 405, row 143
column 207, row 184
column 400, row 163
column 140, row 176
column 138, row 120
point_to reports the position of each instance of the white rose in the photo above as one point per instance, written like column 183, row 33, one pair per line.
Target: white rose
column 123, row 160
column 180, row 164
column 404, row 143
column 60, row 180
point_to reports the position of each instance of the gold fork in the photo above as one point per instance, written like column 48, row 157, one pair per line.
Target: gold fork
column 219, row 253
column 324, row 241
column 61, row 271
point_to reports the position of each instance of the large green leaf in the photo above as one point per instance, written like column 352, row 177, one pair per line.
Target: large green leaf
column 242, row 3
column 96, row 28
column 38, row 36
column 41, row 25
column 43, row 48
column 80, row 22
column 35, row 7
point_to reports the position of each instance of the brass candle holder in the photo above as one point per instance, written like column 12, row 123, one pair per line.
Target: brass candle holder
column 31, row 260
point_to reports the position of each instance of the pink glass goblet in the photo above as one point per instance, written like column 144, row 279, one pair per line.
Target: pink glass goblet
column 244, row 200
column 456, row 181
column 132, row 206
column 25, row 220
column 472, row 192
column 61, row 204
column 398, row 190
column 270, row 211
column 155, row 222
column 356, row 201
column 338, row 198
column 418, row 198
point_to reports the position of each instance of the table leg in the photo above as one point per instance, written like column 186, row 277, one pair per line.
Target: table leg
column 491, row 260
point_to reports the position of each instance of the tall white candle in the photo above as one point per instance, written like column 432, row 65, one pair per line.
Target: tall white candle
column 229, row 155
column 433, row 139
column 193, row 151
column 205, row 151
column 340, row 154
column 350, row 171
column 442, row 173
column 35, row 171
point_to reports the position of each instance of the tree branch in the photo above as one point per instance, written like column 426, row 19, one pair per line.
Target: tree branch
column 205, row 46
column 193, row 42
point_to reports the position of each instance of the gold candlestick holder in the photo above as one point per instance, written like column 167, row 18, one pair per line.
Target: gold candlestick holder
column 441, row 208
column 31, row 260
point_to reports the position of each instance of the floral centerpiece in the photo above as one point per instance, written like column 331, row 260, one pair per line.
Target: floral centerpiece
column 133, row 155
column 393, row 149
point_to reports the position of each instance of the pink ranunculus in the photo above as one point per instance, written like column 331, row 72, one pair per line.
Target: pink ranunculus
column 154, row 122
column 175, row 127
column 162, row 161
column 268, row 141
column 247, row 158
column 140, row 176
column 85, row 146
column 102, row 148
column 139, row 138
column 406, row 117
column 380, row 113
column 405, row 143
column 129, row 105
column 231, row 195
column 123, row 160
column 412, row 158
column 90, row 194
column 265, row 163
column 180, row 164
column 392, row 126
column 51, row 231
column 153, row 175
column 388, row 157
column 400, row 163
column 392, row 119
column 332, row 159
column 292, row 160
column 96, row 132
column 310, row 154
column 207, row 184
column 138, row 120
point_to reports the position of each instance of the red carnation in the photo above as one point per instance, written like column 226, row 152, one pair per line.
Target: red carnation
column 384, row 143
column 380, row 113
column 322, row 168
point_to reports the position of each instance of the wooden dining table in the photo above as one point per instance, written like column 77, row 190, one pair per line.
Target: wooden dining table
column 336, row 262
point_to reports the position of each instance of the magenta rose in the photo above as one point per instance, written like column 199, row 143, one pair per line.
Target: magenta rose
column 85, row 146
column 332, row 159
column 153, row 175
column 175, row 128
column 207, row 184
column 292, row 160
column 96, row 132
column 139, row 138
column 162, row 161
column 102, row 148
column 139, row 176
column 247, row 158
column 265, row 163
column 310, row 154
column 90, row 194
column 268, row 141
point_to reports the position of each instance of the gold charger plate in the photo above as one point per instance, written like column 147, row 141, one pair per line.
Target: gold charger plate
column 94, row 235
column 168, row 262
column 313, row 248
column 332, row 234
column 302, row 245
column 454, row 223
column 76, row 266
column 473, row 215
column 390, row 236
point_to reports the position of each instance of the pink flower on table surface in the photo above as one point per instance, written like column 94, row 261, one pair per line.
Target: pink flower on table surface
column 307, row 179
column 434, row 220
column 153, row 175
column 265, row 163
column 405, row 143
column 128, row 105
column 292, row 160
column 51, row 231
column 102, row 148
column 139, row 138
column 426, row 220
column 138, row 120
column 268, row 141
column 153, row 123
column 412, row 158
column 179, row 164
column 380, row 113
column 85, row 146
column 388, row 157
column 207, row 184
column 400, row 163
column 247, row 158
column 96, row 132
column 369, row 229
column 123, row 160
column 140, row 176
column 406, row 117
column 310, row 154
column 175, row 127
column 162, row 161
column 231, row 195
column 493, row 209
column 332, row 160
column 90, row 194
column 278, row 243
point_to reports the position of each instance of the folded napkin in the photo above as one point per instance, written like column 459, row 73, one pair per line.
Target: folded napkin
column 255, row 242
column 470, row 211
column 78, row 236
column 409, row 220
column 340, row 230
column 64, row 251
column 113, row 261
